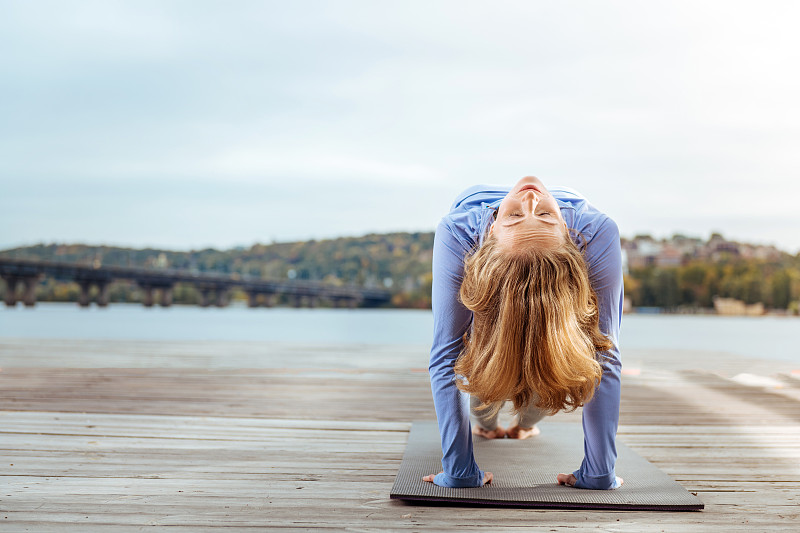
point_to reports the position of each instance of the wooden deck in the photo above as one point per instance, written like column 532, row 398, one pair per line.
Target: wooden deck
column 252, row 436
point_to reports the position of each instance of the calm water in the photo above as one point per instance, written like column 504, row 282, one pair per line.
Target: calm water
column 760, row 337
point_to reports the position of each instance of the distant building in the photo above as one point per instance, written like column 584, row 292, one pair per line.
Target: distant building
column 643, row 251
column 719, row 248
column 761, row 252
column 669, row 256
column 733, row 307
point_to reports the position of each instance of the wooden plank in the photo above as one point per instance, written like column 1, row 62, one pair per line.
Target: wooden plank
column 124, row 489
column 288, row 448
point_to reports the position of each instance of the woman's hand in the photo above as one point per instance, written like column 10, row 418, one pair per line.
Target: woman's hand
column 487, row 478
column 570, row 480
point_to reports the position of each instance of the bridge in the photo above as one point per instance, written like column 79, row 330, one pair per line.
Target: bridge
column 157, row 286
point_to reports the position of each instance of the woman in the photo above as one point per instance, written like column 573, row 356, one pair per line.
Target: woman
column 521, row 314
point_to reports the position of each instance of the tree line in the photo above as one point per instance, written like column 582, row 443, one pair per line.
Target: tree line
column 694, row 284
column 401, row 263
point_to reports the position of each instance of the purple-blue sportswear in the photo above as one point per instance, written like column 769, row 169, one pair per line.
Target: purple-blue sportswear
column 457, row 235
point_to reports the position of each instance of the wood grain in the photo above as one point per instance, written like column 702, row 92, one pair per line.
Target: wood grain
column 171, row 445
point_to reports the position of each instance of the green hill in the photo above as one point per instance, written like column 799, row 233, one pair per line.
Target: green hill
column 672, row 273
column 399, row 262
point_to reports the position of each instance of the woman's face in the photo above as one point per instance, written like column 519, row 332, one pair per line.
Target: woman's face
column 529, row 216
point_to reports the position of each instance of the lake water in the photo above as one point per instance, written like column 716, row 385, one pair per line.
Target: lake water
column 759, row 337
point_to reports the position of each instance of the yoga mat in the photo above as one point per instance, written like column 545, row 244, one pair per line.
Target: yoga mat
column 525, row 474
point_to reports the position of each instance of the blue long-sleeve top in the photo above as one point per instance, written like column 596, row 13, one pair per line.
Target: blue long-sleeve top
column 457, row 235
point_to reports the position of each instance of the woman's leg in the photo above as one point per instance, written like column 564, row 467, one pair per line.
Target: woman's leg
column 529, row 416
column 485, row 420
column 525, row 426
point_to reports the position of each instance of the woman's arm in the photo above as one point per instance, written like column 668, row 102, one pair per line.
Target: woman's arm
column 601, row 414
column 450, row 321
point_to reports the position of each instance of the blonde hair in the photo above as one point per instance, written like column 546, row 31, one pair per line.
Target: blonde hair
column 535, row 330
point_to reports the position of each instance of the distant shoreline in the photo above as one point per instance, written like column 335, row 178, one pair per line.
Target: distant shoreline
column 643, row 310
column 705, row 311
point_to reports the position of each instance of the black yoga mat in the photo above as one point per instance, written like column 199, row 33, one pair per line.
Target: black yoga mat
column 525, row 474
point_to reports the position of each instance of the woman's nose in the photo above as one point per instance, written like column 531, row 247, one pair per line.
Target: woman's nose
column 530, row 192
column 530, row 197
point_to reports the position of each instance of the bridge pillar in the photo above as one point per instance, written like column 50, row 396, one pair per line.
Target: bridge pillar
column 252, row 299
column 313, row 301
column 352, row 303
column 29, row 294
column 11, row 290
column 222, row 297
column 148, row 298
column 166, row 296
column 204, row 299
column 270, row 300
column 296, row 300
column 83, row 296
column 102, row 293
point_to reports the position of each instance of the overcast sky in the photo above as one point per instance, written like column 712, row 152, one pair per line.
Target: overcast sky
column 198, row 123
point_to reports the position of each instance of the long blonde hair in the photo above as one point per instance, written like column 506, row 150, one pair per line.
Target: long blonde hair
column 535, row 329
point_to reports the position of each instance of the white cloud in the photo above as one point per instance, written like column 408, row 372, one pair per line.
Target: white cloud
column 668, row 115
column 243, row 162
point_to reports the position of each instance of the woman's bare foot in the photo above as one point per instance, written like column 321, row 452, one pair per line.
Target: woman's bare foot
column 516, row 432
column 497, row 433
